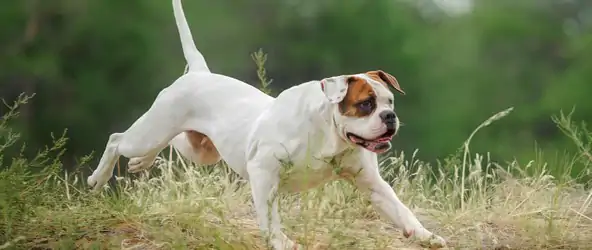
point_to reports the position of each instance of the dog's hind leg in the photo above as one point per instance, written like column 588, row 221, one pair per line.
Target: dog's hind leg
column 137, row 164
column 147, row 136
column 191, row 144
column 104, row 170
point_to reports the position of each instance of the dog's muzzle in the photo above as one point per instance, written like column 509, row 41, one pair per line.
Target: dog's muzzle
column 390, row 119
column 383, row 142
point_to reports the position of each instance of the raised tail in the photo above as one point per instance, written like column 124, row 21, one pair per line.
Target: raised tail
column 195, row 60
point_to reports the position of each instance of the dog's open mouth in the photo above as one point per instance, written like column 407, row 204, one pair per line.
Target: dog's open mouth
column 378, row 145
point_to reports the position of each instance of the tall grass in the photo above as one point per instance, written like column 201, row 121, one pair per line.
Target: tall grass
column 473, row 202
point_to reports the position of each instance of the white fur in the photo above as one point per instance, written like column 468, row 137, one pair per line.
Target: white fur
column 372, row 126
column 252, row 130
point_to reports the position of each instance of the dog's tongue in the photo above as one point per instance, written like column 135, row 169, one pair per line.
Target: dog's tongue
column 379, row 145
column 384, row 139
column 356, row 139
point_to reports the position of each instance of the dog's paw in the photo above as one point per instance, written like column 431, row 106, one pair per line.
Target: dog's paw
column 425, row 238
column 434, row 242
column 96, row 181
column 138, row 164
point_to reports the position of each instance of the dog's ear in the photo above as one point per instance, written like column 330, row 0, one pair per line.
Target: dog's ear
column 334, row 88
column 386, row 78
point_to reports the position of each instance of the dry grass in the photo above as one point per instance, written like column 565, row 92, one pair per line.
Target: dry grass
column 190, row 207
column 471, row 201
column 181, row 206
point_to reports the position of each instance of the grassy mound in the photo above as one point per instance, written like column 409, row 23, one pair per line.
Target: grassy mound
column 469, row 200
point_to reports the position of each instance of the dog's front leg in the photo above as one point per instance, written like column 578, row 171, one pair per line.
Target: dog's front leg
column 386, row 202
column 264, row 187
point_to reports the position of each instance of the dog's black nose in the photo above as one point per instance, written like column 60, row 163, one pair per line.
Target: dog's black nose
column 388, row 116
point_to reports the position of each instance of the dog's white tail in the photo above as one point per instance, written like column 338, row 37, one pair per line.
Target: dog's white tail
column 195, row 60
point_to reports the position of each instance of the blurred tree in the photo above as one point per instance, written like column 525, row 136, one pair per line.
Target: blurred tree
column 97, row 65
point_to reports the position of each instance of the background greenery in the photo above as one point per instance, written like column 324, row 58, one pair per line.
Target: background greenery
column 96, row 65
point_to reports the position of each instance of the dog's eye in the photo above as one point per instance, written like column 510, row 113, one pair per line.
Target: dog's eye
column 390, row 101
column 366, row 105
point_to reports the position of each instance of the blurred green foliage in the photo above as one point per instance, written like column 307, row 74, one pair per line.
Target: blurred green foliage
column 96, row 65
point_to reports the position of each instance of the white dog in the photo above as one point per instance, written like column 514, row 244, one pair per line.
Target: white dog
column 290, row 143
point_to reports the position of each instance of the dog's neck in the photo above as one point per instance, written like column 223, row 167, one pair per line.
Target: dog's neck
column 333, row 131
column 321, row 112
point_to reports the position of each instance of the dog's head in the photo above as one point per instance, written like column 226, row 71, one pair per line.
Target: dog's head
column 366, row 114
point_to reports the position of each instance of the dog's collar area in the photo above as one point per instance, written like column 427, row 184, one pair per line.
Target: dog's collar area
column 378, row 145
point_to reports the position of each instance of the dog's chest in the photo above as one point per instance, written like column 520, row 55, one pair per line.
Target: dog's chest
column 303, row 175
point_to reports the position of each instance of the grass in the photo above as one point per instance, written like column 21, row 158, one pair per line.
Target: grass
column 468, row 199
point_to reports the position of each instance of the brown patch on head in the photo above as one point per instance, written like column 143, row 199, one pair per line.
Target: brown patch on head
column 203, row 147
column 385, row 78
column 360, row 99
